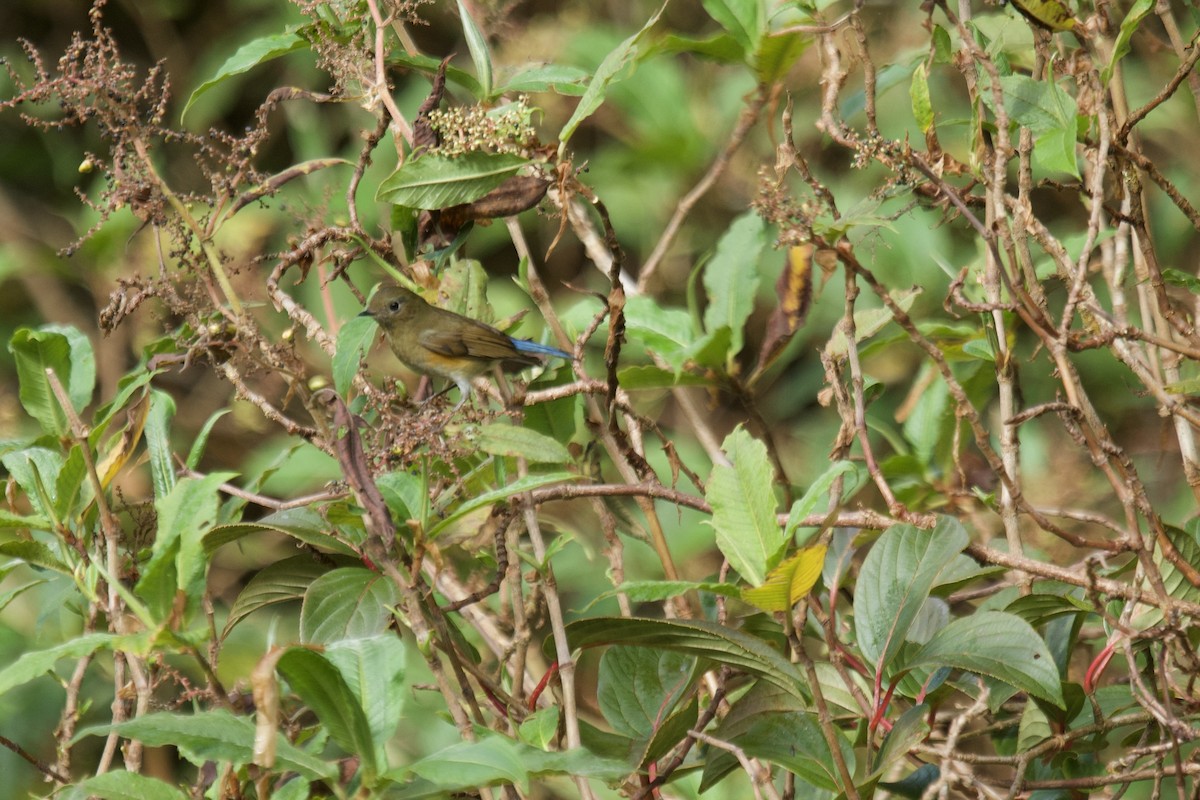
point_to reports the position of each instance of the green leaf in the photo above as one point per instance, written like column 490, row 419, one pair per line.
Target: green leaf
column 638, row 687
column 249, row 56
column 212, row 736
column 405, row 495
column 276, row 583
column 742, row 497
column 612, row 68
column 10, row 520
column 35, row 554
column 1133, row 20
column 31, row 467
column 744, row 20
column 731, row 278
column 8, row 596
column 430, row 66
column 480, row 55
column 526, row 484
column 353, row 341
column 667, row 332
column 648, row 376
column 122, row 785
column 1054, row 151
column 721, row 48
column 1034, row 728
column 158, row 442
column 767, row 724
column 374, row 670
column 870, row 321
column 698, row 638
column 64, row 350
column 434, row 181
column 918, row 92
column 322, row 688
column 500, row 439
column 39, row 662
column 907, row 732
column 347, row 603
column 997, row 644
column 929, row 424
column 777, row 54
column 540, row 729
column 469, row 765
column 1177, row 277
column 896, row 577
column 1040, row 106
column 177, row 561
column 197, row 450
column 302, row 524
column 558, row 78
column 817, row 492
column 943, row 48
column 657, row 591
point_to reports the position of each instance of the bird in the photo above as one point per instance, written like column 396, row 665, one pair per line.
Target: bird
column 441, row 343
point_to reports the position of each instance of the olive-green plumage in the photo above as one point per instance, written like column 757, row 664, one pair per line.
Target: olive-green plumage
column 434, row 341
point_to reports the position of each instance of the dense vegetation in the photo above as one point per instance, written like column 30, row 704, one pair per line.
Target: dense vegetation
column 874, row 472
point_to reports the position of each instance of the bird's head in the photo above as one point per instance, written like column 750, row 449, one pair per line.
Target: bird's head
column 390, row 303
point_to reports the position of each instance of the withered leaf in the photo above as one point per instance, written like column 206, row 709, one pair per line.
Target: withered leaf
column 794, row 289
column 518, row 193
column 424, row 137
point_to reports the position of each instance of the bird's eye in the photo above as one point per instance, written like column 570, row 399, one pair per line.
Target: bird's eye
column 394, row 305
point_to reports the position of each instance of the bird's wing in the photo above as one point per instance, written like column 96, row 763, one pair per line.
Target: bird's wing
column 473, row 341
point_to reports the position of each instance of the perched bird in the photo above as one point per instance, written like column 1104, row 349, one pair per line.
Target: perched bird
column 434, row 341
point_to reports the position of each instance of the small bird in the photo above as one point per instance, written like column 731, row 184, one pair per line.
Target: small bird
column 434, row 341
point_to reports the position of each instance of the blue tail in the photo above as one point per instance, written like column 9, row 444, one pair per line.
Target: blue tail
column 526, row 346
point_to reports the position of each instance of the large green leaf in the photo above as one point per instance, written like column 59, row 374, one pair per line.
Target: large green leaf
column 347, row 603
column 39, row 662
column 69, row 354
column 766, row 723
column 731, row 278
column 322, row 688
column 526, row 484
column 436, row 181
column 177, row 560
column 212, row 736
column 895, row 579
column 374, row 670
column 502, row 439
column 122, row 785
column 302, row 524
column 158, row 442
column 638, row 687
column 744, row 20
column 695, row 637
column 248, row 56
column 743, row 502
column 999, row 645
column 276, row 583
column 469, row 765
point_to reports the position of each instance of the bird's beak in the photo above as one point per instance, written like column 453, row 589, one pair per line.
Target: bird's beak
column 366, row 313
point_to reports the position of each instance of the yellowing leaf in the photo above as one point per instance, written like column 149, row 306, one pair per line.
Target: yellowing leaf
column 789, row 582
column 1050, row 14
column 119, row 453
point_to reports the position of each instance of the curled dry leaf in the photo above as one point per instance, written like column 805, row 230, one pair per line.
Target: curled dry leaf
column 794, row 289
